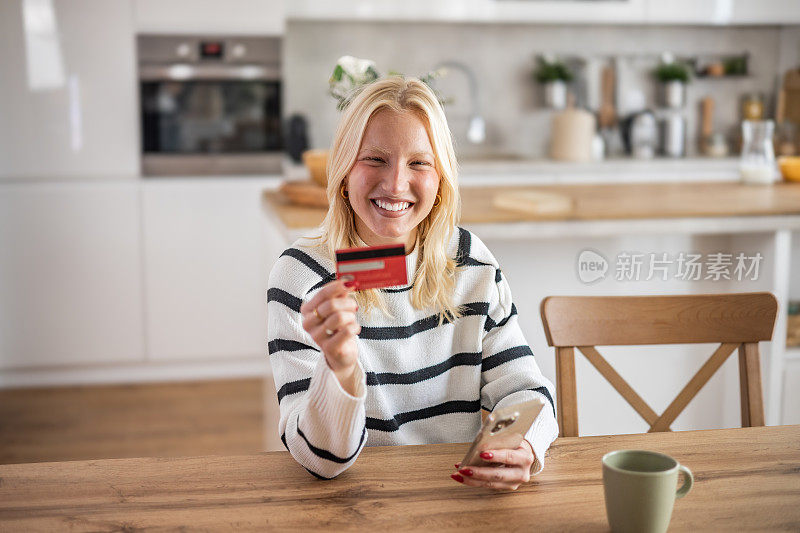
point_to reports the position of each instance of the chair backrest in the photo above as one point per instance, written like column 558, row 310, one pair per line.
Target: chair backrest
column 737, row 321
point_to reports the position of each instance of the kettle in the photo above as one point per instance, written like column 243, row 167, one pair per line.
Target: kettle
column 643, row 135
column 640, row 134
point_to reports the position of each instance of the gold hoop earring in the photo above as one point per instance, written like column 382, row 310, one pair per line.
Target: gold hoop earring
column 437, row 201
column 344, row 193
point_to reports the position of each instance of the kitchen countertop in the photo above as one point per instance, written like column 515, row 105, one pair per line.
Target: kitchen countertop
column 712, row 207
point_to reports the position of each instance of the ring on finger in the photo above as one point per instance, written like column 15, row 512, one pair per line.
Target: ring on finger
column 329, row 332
column 316, row 314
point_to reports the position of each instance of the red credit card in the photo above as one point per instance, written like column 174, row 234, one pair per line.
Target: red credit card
column 373, row 266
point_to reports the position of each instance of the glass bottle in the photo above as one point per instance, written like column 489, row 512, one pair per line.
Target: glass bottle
column 757, row 163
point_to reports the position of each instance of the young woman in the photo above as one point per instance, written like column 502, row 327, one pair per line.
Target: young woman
column 411, row 364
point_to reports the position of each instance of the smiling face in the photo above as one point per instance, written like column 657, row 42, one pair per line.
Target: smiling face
column 394, row 182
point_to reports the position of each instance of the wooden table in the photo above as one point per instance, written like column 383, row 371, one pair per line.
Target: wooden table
column 744, row 479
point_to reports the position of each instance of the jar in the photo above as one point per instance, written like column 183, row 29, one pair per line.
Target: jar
column 753, row 106
column 757, row 163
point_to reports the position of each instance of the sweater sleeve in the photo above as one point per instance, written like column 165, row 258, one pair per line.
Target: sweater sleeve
column 509, row 373
column 322, row 426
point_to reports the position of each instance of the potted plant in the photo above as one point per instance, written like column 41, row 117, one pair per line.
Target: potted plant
column 554, row 76
column 672, row 77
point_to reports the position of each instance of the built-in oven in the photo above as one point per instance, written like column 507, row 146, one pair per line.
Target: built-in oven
column 210, row 105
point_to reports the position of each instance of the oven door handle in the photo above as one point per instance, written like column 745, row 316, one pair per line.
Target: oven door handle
column 187, row 71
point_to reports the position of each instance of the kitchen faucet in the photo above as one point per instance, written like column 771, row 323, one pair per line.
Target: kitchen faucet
column 476, row 133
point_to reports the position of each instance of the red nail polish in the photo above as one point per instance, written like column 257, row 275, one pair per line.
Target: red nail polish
column 349, row 284
column 457, row 478
column 466, row 471
column 487, row 455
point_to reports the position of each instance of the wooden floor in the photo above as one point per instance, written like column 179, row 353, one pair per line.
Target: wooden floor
column 142, row 420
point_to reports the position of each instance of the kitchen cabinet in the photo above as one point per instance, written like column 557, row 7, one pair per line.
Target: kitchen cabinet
column 791, row 392
column 70, row 275
column 742, row 12
column 729, row 12
column 544, row 11
column 68, row 96
column 207, row 255
column 232, row 17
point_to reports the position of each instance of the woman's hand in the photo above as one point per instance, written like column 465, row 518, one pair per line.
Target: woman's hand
column 330, row 318
column 515, row 469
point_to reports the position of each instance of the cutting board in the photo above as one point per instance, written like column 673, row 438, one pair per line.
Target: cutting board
column 790, row 106
column 306, row 193
column 534, row 202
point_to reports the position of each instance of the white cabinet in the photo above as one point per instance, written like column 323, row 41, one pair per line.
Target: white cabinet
column 517, row 11
column 207, row 254
column 68, row 97
column 723, row 12
column 791, row 389
column 231, row 17
column 70, row 274
column 744, row 12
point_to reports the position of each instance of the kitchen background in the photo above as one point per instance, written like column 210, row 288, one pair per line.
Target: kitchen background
column 132, row 299
column 502, row 58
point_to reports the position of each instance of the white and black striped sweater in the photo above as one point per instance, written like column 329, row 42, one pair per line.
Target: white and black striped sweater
column 419, row 383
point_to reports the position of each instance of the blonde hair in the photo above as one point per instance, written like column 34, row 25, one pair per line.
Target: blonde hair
column 434, row 282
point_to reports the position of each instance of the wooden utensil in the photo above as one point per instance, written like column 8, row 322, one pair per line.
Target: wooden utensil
column 534, row 202
column 607, row 119
column 607, row 114
column 706, row 122
column 707, row 105
column 306, row 193
column 780, row 107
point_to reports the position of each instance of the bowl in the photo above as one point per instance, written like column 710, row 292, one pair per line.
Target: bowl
column 316, row 162
column 790, row 167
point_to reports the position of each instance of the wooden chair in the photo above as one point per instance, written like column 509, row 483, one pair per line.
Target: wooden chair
column 583, row 322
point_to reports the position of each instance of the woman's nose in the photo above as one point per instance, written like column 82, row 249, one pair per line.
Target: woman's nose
column 399, row 178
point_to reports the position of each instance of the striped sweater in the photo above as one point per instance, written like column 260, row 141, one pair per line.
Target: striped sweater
column 418, row 382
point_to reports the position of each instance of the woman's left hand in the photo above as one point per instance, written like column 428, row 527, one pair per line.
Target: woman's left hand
column 514, row 470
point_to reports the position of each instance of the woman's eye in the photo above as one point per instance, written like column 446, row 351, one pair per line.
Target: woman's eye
column 374, row 159
column 420, row 163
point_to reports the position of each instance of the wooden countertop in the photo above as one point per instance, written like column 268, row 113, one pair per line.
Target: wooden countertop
column 746, row 478
column 603, row 202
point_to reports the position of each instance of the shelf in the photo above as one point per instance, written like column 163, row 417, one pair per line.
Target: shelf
column 792, row 353
column 727, row 77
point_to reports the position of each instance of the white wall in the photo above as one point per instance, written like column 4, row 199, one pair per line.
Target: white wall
column 502, row 57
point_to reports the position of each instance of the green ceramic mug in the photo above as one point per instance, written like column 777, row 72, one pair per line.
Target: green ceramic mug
column 640, row 489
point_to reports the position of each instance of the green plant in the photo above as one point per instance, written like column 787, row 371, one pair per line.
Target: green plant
column 551, row 70
column 351, row 73
column 736, row 66
column 674, row 71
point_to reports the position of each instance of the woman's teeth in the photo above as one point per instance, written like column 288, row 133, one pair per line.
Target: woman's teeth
column 389, row 206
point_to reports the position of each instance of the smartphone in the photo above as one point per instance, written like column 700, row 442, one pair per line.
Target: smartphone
column 504, row 428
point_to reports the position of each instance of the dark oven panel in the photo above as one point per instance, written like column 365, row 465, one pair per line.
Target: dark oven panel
column 205, row 116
